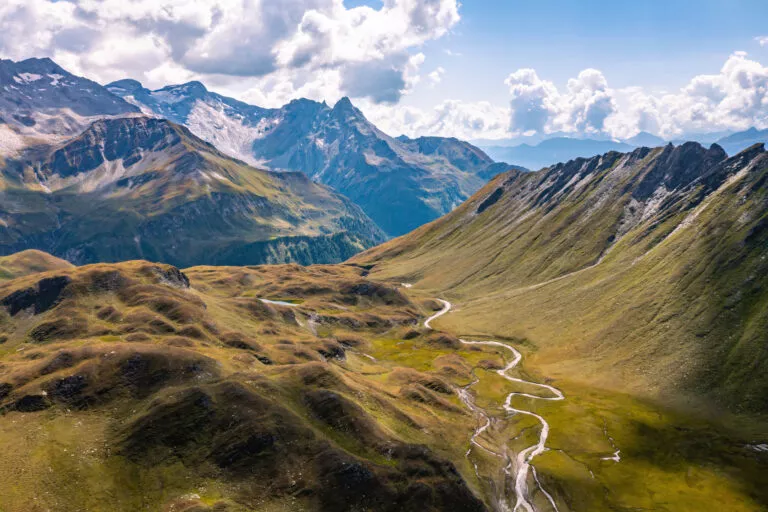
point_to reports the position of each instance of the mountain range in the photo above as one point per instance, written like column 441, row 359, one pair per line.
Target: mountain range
column 589, row 336
column 55, row 124
column 543, row 151
column 399, row 182
column 138, row 187
column 631, row 284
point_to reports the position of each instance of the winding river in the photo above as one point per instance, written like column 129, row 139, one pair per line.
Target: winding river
column 519, row 467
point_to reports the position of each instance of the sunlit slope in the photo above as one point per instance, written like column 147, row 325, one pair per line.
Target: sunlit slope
column 29, row 262
column 644, row 271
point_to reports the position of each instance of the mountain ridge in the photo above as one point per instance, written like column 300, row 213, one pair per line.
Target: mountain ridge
column 627, row 236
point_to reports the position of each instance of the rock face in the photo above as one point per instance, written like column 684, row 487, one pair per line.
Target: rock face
column 41, row 298
column 400, row 183
column 645, row 268
column 138, row 187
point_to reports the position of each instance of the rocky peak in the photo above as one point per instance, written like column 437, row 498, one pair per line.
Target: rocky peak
column 677, row 167
column 35, row 65
column 35, row 85
column 125, row 138
column 304, row 105
column 176, row 93
column 345, row 108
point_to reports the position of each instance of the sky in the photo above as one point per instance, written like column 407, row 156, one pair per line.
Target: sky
column 480, row 69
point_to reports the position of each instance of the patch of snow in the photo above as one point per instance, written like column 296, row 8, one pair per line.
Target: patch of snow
column 266, row 125
column 10, row 141
column 145, row 110
column 229, row 135
column 23, row 78
column 761, row 448
column 279, row 302
column 55, row 78
column 172, row 96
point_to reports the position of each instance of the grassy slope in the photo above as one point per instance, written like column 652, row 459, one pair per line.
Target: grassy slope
column 126, row 345
column 134, row 374
column 29, row 262
column 664, row 311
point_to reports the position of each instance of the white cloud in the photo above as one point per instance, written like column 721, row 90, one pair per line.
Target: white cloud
column 534, row 101
column 465, row 120
column 436, row 76
column 268, row 52
column 537, row 105
column 369, row 50
column 736, row 98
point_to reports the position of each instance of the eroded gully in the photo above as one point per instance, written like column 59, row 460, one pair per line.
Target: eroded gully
column 518, row 467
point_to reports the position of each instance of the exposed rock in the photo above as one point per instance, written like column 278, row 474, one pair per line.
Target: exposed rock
column 46, row 294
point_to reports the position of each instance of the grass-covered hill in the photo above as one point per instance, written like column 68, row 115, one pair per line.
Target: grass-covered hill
column 642, row 272
column 138, row 187
column 135, row 386
column 29, row 262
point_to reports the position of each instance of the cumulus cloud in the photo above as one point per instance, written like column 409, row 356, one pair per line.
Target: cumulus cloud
column 536, row 105
column 268, row 52
column 534, row 101
column 369, row 51
column 735, row 98
column 436, row 76
column 588, row 103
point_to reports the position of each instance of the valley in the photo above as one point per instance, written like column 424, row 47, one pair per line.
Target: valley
column 308, row 292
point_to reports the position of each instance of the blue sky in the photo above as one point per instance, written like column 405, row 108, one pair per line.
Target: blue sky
column 657, row 44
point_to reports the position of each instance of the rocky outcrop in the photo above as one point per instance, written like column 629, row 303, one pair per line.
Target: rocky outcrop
column 39, row 298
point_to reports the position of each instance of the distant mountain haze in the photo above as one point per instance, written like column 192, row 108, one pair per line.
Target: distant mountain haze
column 543, row 151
